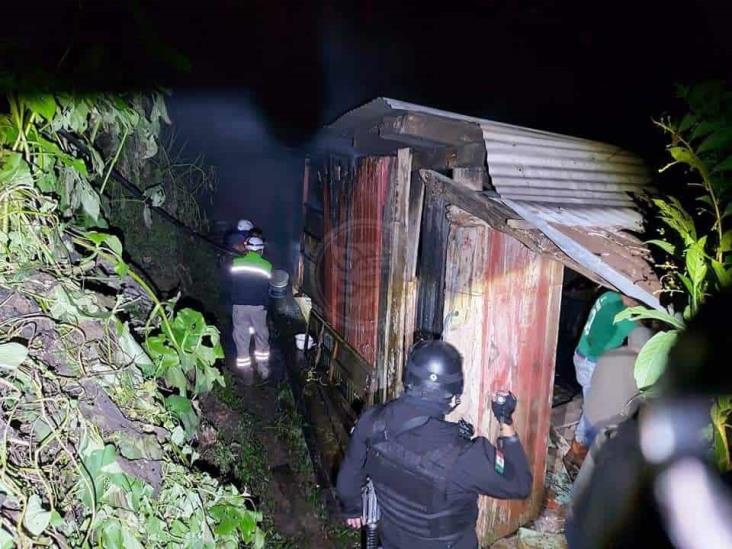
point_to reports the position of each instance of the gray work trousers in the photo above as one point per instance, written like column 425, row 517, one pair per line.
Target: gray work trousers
column 251, row 321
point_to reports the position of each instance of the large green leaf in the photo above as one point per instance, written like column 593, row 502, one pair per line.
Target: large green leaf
column 41, row 104
column 696, row 261
column 673, row 214
column 687, row 122
column 653, row 357
column 188, row 328
column 182, row 408
column 176, row 378
column 110, row 240
column 162, row 353
column 36, row 518
column 13, row 169
column 12, row 355
column 720, row 414
column 66, row 159
column 723, row 273
column 705, row 127
column 667, row 247
column 116, row 535
column 641, row 312
column 131, row 349
column 726, row 243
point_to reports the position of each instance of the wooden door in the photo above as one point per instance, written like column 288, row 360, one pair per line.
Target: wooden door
column 501, row 311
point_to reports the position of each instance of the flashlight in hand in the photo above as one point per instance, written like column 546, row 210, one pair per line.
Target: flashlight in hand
column 503, row 406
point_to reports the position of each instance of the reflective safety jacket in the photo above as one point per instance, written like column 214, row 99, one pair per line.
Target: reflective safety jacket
column 411, row 487
column 250, row 274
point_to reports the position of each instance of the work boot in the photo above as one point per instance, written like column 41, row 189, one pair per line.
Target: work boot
column 263, row 369
column 574, row 458
column 247, row 375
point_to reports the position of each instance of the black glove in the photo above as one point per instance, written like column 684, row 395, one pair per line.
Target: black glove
column 503, row 406
column 465, row 429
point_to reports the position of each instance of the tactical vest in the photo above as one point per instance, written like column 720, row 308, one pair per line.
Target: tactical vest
column 411, row 488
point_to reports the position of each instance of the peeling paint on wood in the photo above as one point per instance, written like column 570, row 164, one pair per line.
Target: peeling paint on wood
column 505, row 303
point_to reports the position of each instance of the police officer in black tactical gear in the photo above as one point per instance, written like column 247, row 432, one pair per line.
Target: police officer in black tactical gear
column 427, row 472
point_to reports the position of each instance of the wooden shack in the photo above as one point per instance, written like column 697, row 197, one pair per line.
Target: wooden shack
column 421, row 223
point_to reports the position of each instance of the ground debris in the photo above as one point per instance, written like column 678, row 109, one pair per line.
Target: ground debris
column 531, row 539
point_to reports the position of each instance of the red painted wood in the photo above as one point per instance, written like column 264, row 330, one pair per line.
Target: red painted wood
column 521, row 308
column 353, row 226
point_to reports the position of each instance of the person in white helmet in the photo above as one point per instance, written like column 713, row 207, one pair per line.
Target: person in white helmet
column 236, row 240
column 250, row 274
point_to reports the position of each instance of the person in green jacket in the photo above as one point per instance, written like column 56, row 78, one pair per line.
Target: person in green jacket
column 250, row 275
column 600, row 334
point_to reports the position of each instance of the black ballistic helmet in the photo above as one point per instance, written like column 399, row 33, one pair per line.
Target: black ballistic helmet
column 434, row 370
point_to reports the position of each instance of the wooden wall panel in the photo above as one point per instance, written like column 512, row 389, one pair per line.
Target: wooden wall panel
column 513, row 346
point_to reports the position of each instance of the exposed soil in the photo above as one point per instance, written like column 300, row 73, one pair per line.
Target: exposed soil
column 259, row 445
column 289, row 502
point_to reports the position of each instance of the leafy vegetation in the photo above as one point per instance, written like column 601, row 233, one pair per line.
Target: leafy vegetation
column 695, row 237
column 99, row 378
column 178, row 183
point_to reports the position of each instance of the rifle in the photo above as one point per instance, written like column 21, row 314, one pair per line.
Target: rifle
column 370, row 515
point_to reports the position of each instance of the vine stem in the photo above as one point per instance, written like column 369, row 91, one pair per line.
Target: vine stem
column 115, row 159
column 697, row 163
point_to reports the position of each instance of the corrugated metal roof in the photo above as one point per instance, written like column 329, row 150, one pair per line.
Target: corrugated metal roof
column 538, row 166
column 554, row 181
column 588, row 216
column 583, row 181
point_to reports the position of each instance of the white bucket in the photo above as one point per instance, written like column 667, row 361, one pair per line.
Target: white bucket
column 300, row 341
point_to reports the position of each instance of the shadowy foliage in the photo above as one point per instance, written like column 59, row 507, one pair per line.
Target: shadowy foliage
column 695, row 237
column 99, row 378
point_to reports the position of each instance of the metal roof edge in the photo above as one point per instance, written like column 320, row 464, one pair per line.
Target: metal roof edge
column 585, row 257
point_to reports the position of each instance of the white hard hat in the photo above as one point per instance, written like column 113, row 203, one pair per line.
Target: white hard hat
column 255, row 244
column 244, row 225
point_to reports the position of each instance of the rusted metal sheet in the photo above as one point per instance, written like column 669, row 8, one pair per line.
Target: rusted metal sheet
column 502, row 303
column 620, row 251
column 352, row 249
column 364, row 252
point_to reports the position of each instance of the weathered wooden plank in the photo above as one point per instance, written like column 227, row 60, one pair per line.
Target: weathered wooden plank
column 392, row 309
column 474, row 178
column 410, row 314
column 447, row 157
column 419, row 128
column 464, row 303
column 497, row 216
column 414, row 225
column 505, row 300
column 523, row 296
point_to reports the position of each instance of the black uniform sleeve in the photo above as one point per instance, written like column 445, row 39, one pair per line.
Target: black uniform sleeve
column 352, row 476
column 502, row 474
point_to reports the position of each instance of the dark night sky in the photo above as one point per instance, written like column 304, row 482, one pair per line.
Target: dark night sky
column 267, row 74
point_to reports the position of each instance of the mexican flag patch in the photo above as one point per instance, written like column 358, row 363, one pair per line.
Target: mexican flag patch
column 499, row 462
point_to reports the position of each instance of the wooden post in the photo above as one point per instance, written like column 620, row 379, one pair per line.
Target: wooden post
column 503, row 304
column 416, row 200
column 393, row 293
